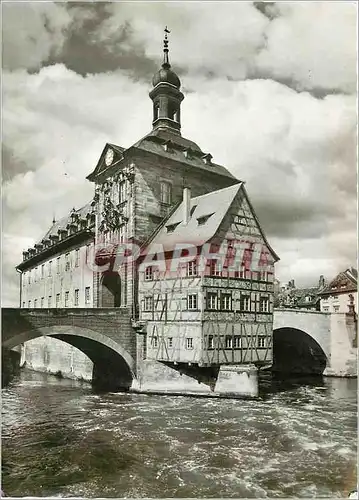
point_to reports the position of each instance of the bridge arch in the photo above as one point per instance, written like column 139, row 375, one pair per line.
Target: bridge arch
column 297, row 352
column 113, row 366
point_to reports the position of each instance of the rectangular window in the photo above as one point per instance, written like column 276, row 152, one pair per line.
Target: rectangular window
column 122, row 191
column 29, row 280
column 192, row 268
column 336, row 309
column 66, row 299
column 261, row 341
column 122, row 233
column 166, row 193
column 215, row 268
column 57, row 300
column 77, row 257
column 35, row 274
column 210, row 342
column 212, row 300
column 170, row 341
column 76, row 298
column 42, row 302
column 58, row 265
column 245, row 303
column 87, row 295
column 42, row 271
column 23, row 304
column 192, row 301
column 226, row 302
column 147, row 304
column 189, row 343
column 154, row 341
column 149, row 273
column 35, row 303
column 325, row 309
column 49, row 301
column 229, row 342
column 67, row 262
column 29, row 304
column 264, row 304
column 50, row 268
column 237, row 342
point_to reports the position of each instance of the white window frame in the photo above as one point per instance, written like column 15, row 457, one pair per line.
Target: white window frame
column 122, row 192
column 245, row 300
column 226, row 302
column 189, row 343
column 229, row 342
column 148, row 304
column 261, row 342
column 50, row 267
column 212, row 301
column 154, row 341
column 67, row 262
column 42, row 271
column 35, row 303
column 42, row 302
column 166, row 192
column 237, row 342
column 49, row 301
column 210, row 342
column 76, row 296
column 149, row 273
column 264, row 304
column 67, row 298
column 192, row 268
column 214, row 268
column 58, row 265
column 77, row 257
column 192, row 302
column 170, row 341
column 87, row 294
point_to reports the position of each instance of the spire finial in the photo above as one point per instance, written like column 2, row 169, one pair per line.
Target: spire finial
column 166, row 63
column 53, row 219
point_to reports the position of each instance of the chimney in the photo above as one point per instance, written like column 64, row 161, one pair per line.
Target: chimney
column 321, row 282
column 186, row 205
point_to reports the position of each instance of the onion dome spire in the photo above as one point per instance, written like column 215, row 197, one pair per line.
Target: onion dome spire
column 165, row 74
column 166, row 95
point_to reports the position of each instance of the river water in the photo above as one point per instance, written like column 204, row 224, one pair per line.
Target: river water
column 61, row 439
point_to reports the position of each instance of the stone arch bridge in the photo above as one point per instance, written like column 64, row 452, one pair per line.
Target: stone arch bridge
column 314, row 342
column 107, row 337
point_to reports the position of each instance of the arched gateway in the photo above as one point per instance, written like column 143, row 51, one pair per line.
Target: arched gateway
column 105, row 337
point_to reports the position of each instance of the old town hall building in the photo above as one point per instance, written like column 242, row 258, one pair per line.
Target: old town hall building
column 163, row 190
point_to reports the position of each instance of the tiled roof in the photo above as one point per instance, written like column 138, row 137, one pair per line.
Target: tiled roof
column 62, row 223
column 344, row 282
column 215, row 204
column 180, row 149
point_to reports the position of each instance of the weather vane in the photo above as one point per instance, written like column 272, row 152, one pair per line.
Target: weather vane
column 165, row 47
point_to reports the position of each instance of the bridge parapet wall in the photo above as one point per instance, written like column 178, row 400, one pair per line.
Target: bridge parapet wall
column 112, row 323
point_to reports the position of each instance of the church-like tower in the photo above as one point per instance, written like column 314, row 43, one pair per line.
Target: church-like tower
column 166, row 95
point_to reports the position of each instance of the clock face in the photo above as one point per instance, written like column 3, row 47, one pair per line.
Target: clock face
column 109, row 157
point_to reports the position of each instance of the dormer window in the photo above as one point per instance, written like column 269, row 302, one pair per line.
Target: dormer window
column 171, row 227
column 207, row 158
column 202, row 220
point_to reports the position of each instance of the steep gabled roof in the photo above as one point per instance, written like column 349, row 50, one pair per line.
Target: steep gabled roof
column 344, row 282
column 215, row 204
column 207, row 213
column 101, row 167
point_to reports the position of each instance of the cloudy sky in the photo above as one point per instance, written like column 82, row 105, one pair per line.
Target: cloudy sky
column 270, row 92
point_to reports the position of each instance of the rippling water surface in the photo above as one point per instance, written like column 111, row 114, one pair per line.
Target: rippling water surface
column 61, row 439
